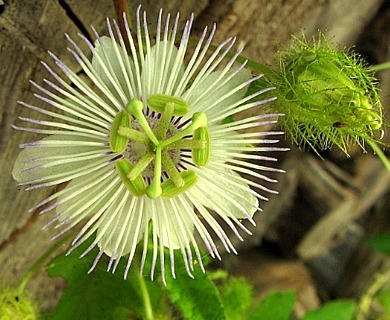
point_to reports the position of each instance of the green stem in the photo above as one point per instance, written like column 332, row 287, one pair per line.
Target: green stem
column 382, row 66
column 145, row 296
column 120, row 8
column 380, row 154
column 367, row 299
column 262, row 68
column 38, row 264
column 249, row 63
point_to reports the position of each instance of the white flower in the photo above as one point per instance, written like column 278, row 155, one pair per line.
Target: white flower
column 146, row 147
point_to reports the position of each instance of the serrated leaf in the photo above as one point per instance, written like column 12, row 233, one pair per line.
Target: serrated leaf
column 380, row 243
column 197, row 299
column 340, row 310
column 99, row 295
column 237, row 297
column 276, row 306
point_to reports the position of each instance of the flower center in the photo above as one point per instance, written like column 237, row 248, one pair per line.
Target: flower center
column 152, row 145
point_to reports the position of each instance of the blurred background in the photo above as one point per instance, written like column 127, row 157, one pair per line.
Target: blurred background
column 310, row 237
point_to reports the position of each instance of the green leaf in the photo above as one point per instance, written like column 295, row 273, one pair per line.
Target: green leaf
column 340, row 310
column 237, row 297
column 380, row 243
column 101, row 294
column 228, row 119
column 384, row 299
column 197, row 298
column 121, row 313
column 276, row 306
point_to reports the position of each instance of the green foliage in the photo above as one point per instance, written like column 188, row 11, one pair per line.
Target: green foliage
column 102, row 295
column 340, row 310
column 380, row 243
column 15, row 305
column 384, row 299
column 276, row 306
column 237, row 297
column 99, row 295
column 197, row 298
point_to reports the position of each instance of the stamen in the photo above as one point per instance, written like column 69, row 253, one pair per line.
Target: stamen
column 162, row 128
column 133, row 134
column 158, row 147
column 171, row 169
column 154, row 190
column 137, row 186
column 169, row 189
column 158, row 103
column 140, row 166
column 187, row 144
column 135, row 108
column 201, row 156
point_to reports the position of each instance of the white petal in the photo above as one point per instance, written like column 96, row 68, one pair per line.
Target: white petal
column 174, row 225
column 111, row 65
column 216, row 193
column 86, row 195
column 163, row 69
column 38, row 157
column 218, row 91
column 121, row 226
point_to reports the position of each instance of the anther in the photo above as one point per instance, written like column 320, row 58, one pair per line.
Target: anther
column 201, row 156
column 159, row 102
column 169, row 189
column 137, row 187
column 187, row 144
column 118, row 143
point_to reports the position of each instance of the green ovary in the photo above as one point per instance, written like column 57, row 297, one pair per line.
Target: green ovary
column 151, row 146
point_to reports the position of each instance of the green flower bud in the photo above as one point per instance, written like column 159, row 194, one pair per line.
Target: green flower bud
column 327, row 95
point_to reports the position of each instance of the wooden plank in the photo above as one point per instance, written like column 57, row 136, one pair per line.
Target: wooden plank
column 262, row 26
column 26, row 32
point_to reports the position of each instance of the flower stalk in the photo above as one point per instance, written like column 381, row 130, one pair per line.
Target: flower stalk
column 144, row 294
column 121, row 8
column 40, row 262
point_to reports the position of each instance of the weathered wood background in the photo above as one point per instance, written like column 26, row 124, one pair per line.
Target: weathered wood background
column 325, row 208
